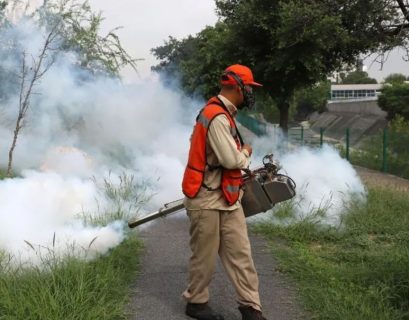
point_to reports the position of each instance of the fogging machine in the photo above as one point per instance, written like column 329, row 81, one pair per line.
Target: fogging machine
column 263, row 187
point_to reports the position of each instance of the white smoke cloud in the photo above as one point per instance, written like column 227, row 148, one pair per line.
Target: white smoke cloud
column 79, row 127
column 326, row 183
column 40, row 211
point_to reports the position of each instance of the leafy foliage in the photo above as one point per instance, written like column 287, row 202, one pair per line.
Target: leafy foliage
column 395, row 78
column 358, row 77
column 196, row 62
column 290, row 45
column 66, row 26
column 3, row 5
column 312, row 99
column 80, row 32
column 394, row 99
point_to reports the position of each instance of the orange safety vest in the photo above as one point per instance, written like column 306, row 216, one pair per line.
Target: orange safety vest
column 195, row 169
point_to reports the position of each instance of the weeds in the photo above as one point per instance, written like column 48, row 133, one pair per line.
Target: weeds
column 70, row 286
column 358, row 271
column 124, row 196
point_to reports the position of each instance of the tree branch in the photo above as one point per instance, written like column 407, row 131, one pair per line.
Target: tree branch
column 403, row 8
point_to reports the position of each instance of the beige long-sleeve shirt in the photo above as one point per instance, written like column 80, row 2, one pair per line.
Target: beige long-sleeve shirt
column 221, row 150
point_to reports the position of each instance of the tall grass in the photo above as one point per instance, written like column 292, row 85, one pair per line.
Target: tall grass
column 71, row 288
column 359, row 271
column 68, row 287
column 125, row 196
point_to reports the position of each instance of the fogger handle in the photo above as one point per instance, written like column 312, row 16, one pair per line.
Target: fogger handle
column 165, row 210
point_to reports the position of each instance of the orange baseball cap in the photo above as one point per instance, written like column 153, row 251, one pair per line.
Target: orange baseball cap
column 243, row 72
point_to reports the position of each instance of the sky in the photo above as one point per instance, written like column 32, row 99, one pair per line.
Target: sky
column 147, row 24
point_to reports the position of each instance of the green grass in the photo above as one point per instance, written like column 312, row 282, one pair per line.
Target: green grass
column 2, row 174
column 71, row 288
column 369, row 152
column 359, row 271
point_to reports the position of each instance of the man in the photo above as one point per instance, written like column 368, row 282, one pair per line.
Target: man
column 211, row 184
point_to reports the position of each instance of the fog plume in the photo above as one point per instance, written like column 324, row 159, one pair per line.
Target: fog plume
column 326, row 183
column 81, row 129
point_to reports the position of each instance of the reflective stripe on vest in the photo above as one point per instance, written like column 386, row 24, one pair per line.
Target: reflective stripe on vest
column 194, row 173
column 203, row 120
column 232, row 189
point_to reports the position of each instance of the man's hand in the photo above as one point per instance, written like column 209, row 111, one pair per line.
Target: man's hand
column 248, row 148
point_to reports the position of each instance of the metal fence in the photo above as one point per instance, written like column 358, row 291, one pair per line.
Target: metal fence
column 385, row 150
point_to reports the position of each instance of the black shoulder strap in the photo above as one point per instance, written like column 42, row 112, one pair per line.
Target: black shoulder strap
column 227, row 110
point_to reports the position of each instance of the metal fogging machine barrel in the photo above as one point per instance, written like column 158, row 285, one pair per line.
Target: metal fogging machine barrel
column 263, row 188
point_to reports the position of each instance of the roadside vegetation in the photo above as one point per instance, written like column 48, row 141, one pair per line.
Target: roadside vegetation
column 369, row 152
column 67, row 287
column 354, row 271
column 70, row 288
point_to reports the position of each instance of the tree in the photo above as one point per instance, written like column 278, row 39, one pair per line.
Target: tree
column 394, row 99
column 3, row 5
column 358, row 77
column 196, row 62
column 67, row 25
column 294, row 44
column 395, row 78
column 80, row 32
column 312, row 99
column 31, row 73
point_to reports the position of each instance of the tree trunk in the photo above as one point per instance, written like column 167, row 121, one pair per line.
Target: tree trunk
column 13, row 146
column 284, row 111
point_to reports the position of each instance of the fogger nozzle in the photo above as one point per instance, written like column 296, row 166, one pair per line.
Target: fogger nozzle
column 263, row 188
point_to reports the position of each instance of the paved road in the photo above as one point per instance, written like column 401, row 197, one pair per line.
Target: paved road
column 163, row 276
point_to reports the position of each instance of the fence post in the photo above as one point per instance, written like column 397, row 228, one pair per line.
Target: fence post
column 302, row 135
column 321, row 136
column 347, row 144
column 385, row 150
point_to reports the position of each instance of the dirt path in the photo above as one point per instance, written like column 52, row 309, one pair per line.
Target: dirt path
column 163, row 277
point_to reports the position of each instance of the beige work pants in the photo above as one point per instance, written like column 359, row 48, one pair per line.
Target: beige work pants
column 215, row 232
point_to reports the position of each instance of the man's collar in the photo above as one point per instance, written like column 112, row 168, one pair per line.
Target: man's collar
column 229, row 105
